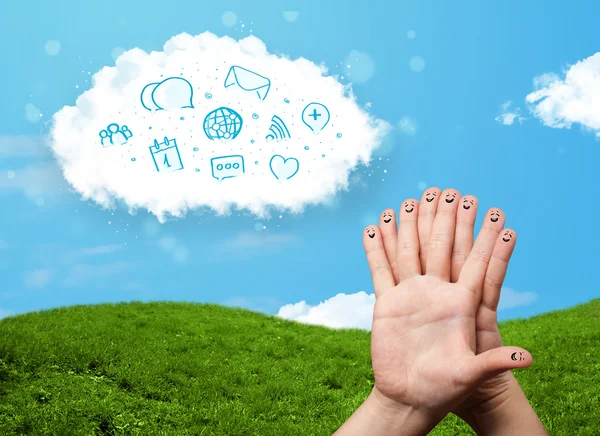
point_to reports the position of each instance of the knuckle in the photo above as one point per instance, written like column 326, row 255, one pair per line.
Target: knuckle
column 405, row 247
column 437, row 240
column 482, row 256
column 492, row 282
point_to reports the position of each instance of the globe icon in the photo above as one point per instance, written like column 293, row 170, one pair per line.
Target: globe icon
column 222, row 123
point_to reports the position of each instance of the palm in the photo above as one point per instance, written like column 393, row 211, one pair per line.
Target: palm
column 436, row 322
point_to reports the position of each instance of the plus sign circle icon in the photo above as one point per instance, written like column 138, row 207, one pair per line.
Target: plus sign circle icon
column 315, row 116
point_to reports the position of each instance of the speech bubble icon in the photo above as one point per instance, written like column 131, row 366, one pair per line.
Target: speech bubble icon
column 226, row 167
column 171, row 93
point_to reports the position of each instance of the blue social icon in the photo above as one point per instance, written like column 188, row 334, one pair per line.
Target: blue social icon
column 166, row 156
column 171, row 93
column 226, row 167
column 248, row 81
column 315, row 116
column 113, row 134
column 283, row 168
column 278, row 130
column 222, row 123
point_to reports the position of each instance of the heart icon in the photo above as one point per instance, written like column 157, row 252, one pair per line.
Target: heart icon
column 284, row 168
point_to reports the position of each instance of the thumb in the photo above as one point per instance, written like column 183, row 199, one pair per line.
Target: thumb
column 498, row 360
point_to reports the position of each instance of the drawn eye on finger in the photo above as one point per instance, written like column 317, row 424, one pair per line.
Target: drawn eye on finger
column 494, row 215
column 387, row 217
column 507, row 236
column 370, row 232
column 430, row 196
column 450, row 196
column 409, row 206
column 467, row 203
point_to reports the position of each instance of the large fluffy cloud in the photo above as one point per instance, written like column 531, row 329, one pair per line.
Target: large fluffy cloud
column 126, row 169
column 559, row 103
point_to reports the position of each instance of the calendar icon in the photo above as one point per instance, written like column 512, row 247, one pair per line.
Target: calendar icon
column 166, row 156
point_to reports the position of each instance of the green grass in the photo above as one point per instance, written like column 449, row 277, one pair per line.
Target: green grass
column 196, row 369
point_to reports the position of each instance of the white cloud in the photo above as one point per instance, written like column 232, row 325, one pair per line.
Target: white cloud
column 508, row 117
column 83, row 274
column 290, row 16
column 559, row 103
column 341, row 311
column 258, row 304
column 32, row 113
column 407, row 125
column 38, row 278
column 510, row 298
column 356, row 310
column 108, row 174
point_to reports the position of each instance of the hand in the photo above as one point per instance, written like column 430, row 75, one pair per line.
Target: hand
column 423, row 342
column 491, row 393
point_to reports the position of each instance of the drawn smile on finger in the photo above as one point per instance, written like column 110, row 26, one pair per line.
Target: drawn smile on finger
column 467, row 204
column 450, row 196
column 371, row 232
column 494, row 216
column 387, row 217
column 507, row 236
column 409, row 206
column 430, row 196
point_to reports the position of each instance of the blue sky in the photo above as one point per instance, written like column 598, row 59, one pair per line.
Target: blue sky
column 440, row 73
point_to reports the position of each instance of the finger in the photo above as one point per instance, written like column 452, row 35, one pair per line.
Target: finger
column 496, row 272
column 381, row 271
column 407, row 250
column 389, row 233
column 441, row 240
column 476, row 265
column 463, row 238
column 490, row 363
column 427, row 210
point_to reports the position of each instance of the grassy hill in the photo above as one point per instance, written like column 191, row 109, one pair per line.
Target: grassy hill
column 196, row 369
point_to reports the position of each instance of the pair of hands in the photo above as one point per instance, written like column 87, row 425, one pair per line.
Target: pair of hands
column 435, row 343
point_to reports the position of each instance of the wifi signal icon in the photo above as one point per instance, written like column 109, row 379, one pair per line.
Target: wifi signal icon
column 278, row 130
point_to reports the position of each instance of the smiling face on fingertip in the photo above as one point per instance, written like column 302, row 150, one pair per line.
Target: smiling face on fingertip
column 494, row 215
column 449, row 197
column 467, row 203
column 507, row 236
column 370, row 232
column 409, row 206
column 430, row 196
column 387, row 217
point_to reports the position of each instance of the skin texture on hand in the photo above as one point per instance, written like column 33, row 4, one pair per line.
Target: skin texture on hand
column 482, row 408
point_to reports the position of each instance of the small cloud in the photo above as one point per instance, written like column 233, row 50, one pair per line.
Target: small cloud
column 249, row 244
column 99, row 250
column 560, row 103
column 84, row 274
column 341, row 311
column 290, row 16
column 407, row 125
column 411, row 34
column 38, row 278
column 36, row 180
column 510, row 298
column 508, row 117
column 173, row 247
column 29, row 146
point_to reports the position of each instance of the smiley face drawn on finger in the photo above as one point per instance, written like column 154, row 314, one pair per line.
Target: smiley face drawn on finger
column 450, row 196
column 494, row 215
column 387, row 217
column 371, row 232
column 467, row 203
column 507, row 236
column 430, row 196
column 409, row 206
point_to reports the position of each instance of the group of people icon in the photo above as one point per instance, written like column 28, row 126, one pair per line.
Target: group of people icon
column 115, row 134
